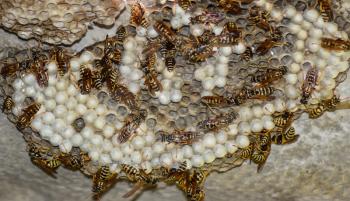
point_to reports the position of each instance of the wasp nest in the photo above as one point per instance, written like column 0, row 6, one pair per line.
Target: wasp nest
column 57, row 22
column 179, row 92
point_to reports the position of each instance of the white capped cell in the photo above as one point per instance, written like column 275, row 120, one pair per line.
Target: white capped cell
column 86, row 57
column 101, row 109
column 138, row 142
column 220, row 150
column 279, row 104
column 105, row 159
column 257, row 111
column 166, row 160
column 158, row 147
column 59, row 125
column 256, row 125
column 231, row 147
column 311, row 15
column 176, row 22
column 147, row 153
column 196, row 30
column 222, row 69
column 61, row 85
column 151, row 32
column 291, row 78
column 108, row 131
column 208, row 156
column 50, row 91
column 87, row 132
column 221, row 137
column 116, row 154
column 244, row 127
column 164, row 97
column 48, row 118
column 61, row 97
column 232, row 129
column 46, row 132
column 81, row 109
column 242, row 141
column 198, row 147
column 76, row 140
column 36, row 123
column 71, row 90
column 200, row 74
column 136, row 157
column 66, row 146
column 60, row 111
column 188, row 151
column 29, row 79
column 56, row 140
column 177, row 155
column 197, row 161
column 175, row 96
column 209, row 140
column 245, row 113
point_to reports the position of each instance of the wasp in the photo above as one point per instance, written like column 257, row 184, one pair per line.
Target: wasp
column 259, row 18
column 49, row 166
column 283, row 121
column 185, row 4
column 207, row 18
column 179, row 137
column 137, row 17
column 266, row 45
column 325, row 9
column 239, row 98
column 38, row 67
column 247, row 54
column 138, row 175
column 151, row 80
column 287, row 137
column 227, row 39
column 260, row 155
column 8, row 104
column 269, row 76
column 194, row 188
column 168, row 51
column 27, row 116
column 276, row 34
column 206, row 38
column 133, row 121
column 261, row 93
column 264, row 137
column 231, row 6
column 73, row 162
column 88, row 80
column 309, row 84
column 218, row 122
column 63, row 64
column 9, row 70
column 119, row 92
column 113, row 55
column 165, row 31
column 102, row 180
column 213, row 101
column 335, row 44
column 246, row 153
column 201, row 53
column 323, row 106
column 42, row 157
column 121, row 35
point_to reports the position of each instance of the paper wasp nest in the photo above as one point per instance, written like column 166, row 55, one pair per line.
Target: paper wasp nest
column 178, row 91
column 57, row 22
